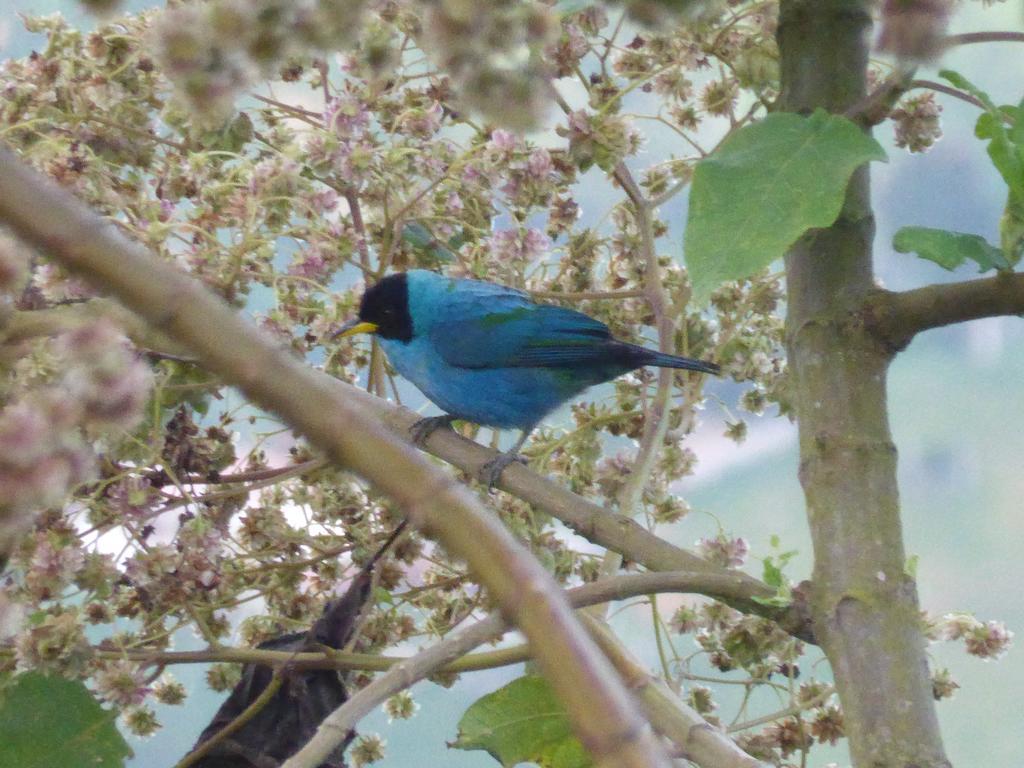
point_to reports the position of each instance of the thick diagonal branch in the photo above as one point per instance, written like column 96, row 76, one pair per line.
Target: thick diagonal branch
column 603, row 714
column 895, row 318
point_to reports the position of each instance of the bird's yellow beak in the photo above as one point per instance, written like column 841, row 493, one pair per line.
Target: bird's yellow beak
column 354, row 326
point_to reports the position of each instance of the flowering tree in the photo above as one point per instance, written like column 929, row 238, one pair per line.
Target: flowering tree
column 242, row 170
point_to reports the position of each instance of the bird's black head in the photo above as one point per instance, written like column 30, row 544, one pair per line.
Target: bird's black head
column 386, row 305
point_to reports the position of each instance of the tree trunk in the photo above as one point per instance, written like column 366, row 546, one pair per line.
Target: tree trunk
column 864, row 603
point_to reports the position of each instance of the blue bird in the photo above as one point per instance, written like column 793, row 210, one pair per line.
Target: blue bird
column 489, row 354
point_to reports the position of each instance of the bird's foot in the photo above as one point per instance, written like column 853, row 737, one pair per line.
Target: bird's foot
column 425, row 427
column 490, row 473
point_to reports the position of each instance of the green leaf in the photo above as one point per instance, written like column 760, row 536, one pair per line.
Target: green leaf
column 949, row 249
column 766, row 186
column 1012, row 117
column 50, row 722
column 989, row 126
column 1004, row 145
column 772, row 573
column 522, row 723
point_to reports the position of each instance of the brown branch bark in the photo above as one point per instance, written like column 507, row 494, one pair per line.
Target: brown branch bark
column 863, row 601
column 603, row 714
column 875, row 107
column 895, row 318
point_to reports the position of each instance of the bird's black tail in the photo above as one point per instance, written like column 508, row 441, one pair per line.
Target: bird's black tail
column 663, row 360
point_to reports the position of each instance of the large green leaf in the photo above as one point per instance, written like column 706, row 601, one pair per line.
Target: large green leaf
column 522, row 723
column 949, row 249
column 50, row 722
column 766, row 186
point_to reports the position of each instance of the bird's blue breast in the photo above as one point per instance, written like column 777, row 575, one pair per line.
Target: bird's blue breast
column 509, row 398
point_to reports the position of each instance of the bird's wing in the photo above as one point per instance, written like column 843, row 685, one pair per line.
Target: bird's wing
column 509, row 330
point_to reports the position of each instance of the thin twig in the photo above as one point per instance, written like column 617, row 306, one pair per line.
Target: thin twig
column 967, row 38
column 948, row 90
column 876, row 106
column 659, row 200
column 782, row 714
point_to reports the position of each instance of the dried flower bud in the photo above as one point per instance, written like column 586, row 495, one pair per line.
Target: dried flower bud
column 108, row 382
column 828, row 724
column 223, row 677
column 55, row 644
column 729, row 553
column 41, row 456
column 56, row 285
column 988, row 640
column 98, row 613
column 401, row 706
column 736, row 430
column 702, row 700
column 719, row 97
column 141, row 721
column 368, row 748
column 599, row 139
column 169, row 691
column 790, row 736
column 122, row 683
column 52, row 568
column 943, row 684
column 685, row 620
column 917, row 122
column 811, row 691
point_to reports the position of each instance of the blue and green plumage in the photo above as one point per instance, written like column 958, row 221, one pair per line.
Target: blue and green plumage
column 491, row 355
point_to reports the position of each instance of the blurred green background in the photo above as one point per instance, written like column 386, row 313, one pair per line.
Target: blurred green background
column 957, row 411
